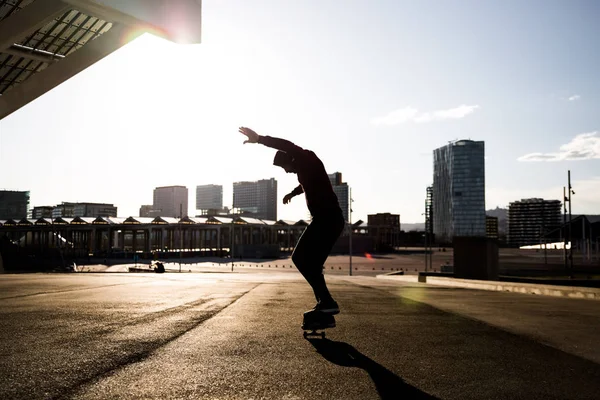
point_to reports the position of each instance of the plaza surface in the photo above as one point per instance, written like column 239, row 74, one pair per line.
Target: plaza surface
column 236, row 335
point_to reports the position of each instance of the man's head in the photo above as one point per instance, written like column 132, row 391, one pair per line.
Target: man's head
column 283, row 160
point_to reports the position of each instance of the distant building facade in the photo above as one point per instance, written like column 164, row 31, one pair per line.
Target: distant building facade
column 209, row 198
column 502, row 215
column 530, row 219
column 149, row 211
column 171, row 201
column 258, row 198
column 385, row 229
column 42, row 212
column 343, row 193
column 13, row 204
column 459, row 190
column 94, row 210
column 491, row 227
column 71, row 210
column 66, row 210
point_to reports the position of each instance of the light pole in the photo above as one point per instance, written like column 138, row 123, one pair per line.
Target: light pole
column 571, row 191
column 350, row 234
column 232, row 240
column 564, row 228
column 425, row 237
column 180, row 234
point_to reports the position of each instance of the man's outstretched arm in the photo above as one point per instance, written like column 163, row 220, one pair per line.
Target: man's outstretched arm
column 275, row 143
column 298, row 190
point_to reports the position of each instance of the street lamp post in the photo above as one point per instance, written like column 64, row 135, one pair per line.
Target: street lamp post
column 571, row 191
column 564, row 227
column 232, row 240
column 569, row 234
column 350, row 235
column 180, row 234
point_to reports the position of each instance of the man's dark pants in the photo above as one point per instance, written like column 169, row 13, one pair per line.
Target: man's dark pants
column 313, row 249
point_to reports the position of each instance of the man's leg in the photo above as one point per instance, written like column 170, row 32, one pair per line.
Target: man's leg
column 312, row 251
column 303, row 256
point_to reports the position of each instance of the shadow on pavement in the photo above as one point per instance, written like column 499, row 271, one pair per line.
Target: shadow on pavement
column 388, row 384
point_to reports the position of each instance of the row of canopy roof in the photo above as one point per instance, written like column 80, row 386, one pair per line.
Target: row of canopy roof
column 210, row 220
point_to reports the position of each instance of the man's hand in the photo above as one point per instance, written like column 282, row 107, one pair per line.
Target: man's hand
column 252, row 136
column 287, row 198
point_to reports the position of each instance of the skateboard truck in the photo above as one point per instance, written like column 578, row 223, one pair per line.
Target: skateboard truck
column 316, row 321
column 313, row 333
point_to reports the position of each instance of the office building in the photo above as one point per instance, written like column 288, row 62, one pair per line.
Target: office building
column 71, row 210
column 459, row 190
column 343, row 193
column 148, row 210
column 530, row 219
column 94, row 210
column 209, row 198
column 42, row 212
column 491, row 227
column 13, row 204
column 66, row 210
column 258, row 198
column 385, row 228
column 171, row 201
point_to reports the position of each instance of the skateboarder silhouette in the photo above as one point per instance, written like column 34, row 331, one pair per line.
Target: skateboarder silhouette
column 327, row 223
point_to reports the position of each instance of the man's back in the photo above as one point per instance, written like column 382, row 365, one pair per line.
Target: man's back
column 320, row 197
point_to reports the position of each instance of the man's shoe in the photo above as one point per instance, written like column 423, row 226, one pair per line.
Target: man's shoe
column 312, row 310
column 325, row 307
column 328, row 307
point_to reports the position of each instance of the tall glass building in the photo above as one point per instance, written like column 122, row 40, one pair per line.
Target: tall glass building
column 459, row 190
column 343, row 193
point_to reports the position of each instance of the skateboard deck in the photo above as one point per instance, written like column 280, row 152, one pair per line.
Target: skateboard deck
column 315, row 323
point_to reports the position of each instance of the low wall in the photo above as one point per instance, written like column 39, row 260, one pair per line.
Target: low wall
column 515, row 287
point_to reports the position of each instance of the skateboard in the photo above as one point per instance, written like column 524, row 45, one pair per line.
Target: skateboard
column 316, row 321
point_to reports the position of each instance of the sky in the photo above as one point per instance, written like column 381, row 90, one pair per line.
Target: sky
column 371, row 87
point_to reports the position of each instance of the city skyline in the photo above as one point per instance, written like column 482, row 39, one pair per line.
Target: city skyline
column 194, row 211
column 371, row 92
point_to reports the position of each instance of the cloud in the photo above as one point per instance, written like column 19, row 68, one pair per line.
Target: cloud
column 574, row 97
column 585, row 146
column 411, row 114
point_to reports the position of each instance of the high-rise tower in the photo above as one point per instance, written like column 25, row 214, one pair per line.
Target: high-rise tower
column 459, row 190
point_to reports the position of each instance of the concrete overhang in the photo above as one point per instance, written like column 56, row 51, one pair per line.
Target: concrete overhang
column 45, row 42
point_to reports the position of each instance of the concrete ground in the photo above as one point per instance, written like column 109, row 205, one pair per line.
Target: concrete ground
column 237, row 335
